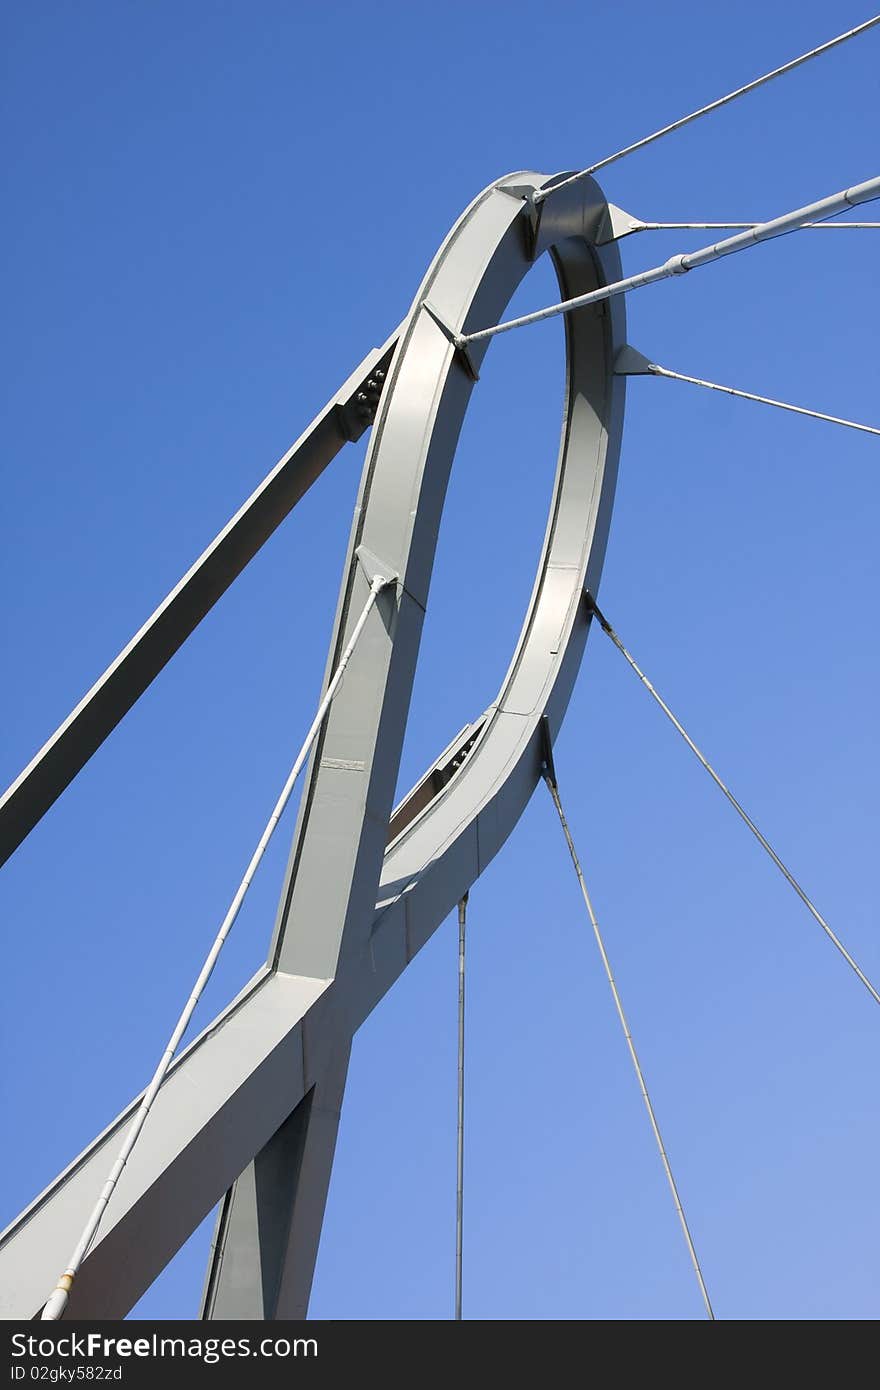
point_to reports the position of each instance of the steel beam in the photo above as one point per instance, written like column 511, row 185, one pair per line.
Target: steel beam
column 268, row 1228
column 111, row 697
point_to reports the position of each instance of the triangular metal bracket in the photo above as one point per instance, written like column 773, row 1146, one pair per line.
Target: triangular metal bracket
column 372, row 565
column 630, row 362
column 462, row 351
column 531, row 212
column 548, row 767
column 616, row 224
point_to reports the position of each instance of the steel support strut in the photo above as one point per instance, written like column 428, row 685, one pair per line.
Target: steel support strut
column 66, row 752
column 268, row 1227
column 250, row 1108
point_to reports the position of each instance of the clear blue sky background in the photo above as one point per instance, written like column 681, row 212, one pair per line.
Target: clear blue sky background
column 212, row 212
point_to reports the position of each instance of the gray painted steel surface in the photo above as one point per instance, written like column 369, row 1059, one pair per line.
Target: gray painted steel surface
column 125, row 680
column 252, row 1105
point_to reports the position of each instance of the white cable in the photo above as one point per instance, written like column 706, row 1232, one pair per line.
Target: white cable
column 634, row 1057
column 678, row 265
column 57, row 1302
column 722, row 226
column 712, row 106
column 765, row 844
column 655, row 370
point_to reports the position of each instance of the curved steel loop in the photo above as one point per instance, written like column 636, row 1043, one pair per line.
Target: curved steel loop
column 449, row 827
column 247, row 1114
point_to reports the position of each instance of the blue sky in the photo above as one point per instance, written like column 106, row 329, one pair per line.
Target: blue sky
column 213, row 212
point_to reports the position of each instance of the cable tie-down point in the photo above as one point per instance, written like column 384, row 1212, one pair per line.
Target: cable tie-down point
column 458, row 340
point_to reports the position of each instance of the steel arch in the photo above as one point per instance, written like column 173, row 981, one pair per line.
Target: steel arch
column 250, row 1108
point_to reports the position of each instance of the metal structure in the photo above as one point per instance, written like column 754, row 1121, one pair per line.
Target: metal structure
column 248, row 1114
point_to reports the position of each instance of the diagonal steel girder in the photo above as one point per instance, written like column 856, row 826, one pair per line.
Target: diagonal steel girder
column 248, row 1114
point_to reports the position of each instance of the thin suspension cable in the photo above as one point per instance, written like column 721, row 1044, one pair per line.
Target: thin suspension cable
column 459, row 1184
column 786, row 873
column 712, row 106
column 58, row 1300
column 655, row 370
column 678, row 265
column 722, row 226
column 554, row 792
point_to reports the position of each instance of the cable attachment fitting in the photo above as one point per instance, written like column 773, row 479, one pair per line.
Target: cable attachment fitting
column 531, row 212
column 375, row 568
column 57, row 1301
column 458, row 340
column 548, row 767
column 596, row 612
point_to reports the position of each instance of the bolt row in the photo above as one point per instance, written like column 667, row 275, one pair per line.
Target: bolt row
column 367, row 400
